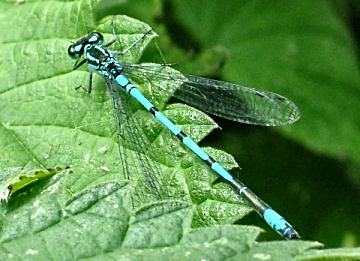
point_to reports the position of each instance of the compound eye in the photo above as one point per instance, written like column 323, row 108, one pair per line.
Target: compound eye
column 74, row 52
column 95, row 38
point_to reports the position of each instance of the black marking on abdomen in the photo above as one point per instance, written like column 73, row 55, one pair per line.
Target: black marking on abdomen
column 132, row 87
column 181, row 135
column 210, row 161
column 153, row 110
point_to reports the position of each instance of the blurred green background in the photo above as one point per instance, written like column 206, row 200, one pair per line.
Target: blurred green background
column 305, row 50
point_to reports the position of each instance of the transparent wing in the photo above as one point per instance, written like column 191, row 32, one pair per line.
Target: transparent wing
column 223, row 99
column 145, row 175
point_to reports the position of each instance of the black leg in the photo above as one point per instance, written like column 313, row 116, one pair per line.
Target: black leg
column 117, row 53
column 78, row 64
column 90, row 83
column 88, row 89
column 113, row 38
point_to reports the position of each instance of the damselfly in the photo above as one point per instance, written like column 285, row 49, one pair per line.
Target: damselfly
column 224, row 99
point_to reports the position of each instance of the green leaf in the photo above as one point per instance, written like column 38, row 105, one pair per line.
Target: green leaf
column 89, row 214
column 332, row 254
column 52, row 226
column 98, row 224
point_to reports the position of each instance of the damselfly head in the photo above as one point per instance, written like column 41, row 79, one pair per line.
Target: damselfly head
column 76, row 49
